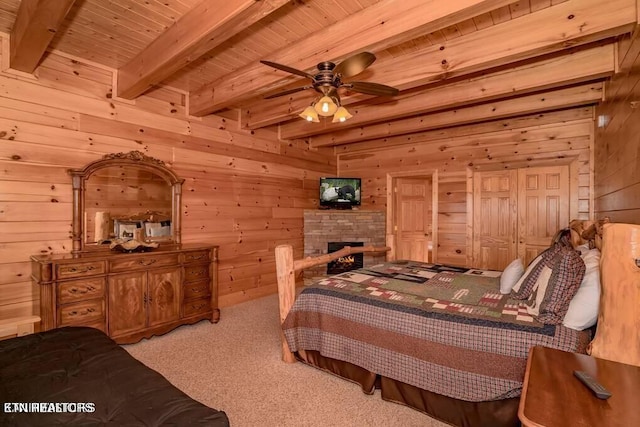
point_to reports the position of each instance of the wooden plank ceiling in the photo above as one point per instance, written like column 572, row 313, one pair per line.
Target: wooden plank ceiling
column 455, row 61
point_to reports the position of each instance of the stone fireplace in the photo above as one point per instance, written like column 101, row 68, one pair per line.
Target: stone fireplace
column 366, row 228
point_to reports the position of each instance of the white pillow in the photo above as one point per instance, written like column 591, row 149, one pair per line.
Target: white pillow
column 511, row 275
column 583, row 309
column 583, row 249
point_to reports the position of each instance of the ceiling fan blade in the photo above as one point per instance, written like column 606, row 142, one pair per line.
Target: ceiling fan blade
column 372, row 88
column 355, row 64
column 287, row 92
column 287, row 69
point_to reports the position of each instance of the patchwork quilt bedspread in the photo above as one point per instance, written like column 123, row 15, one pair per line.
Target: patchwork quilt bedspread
column 441, row 328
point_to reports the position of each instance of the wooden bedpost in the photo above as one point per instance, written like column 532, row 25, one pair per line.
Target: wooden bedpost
column 286, row 267
column 618, row 332
column 286, row 291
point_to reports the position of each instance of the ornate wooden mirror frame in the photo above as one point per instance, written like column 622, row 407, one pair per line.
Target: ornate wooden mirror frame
column 134, row 159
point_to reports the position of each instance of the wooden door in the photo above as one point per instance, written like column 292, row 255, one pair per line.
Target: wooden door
column 127, row 306
column 163, row 296
column 413, row 213
column 543, row 208
column 494, row 219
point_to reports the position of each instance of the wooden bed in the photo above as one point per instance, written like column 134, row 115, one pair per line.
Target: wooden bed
column 325, row 328
column 80, row 376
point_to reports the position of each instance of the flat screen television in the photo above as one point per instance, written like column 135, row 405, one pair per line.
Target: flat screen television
column 340, row 193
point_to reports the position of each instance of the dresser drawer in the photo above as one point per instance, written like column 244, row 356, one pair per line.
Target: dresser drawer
column 79, row 269
column 81, row 313
column 136, row 263
column 195, row 256
column 198, row 306
column 195, row 290
column 100, row 325
column 78, row 290
column 196, row 272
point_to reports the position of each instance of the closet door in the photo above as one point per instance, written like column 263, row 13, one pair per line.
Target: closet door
column 494, row 218
column 517, row 212
column 543, row 208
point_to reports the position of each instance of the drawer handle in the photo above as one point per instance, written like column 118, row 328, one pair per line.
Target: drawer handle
column 196, row 257
column 84, row 291
column 81, row 270
column 89, row 310
column 147, row 262
column 197, row 307
column 197, row 272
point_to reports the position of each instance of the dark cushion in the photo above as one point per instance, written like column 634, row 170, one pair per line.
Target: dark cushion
column 523, row 287
column 557, row 283
column 79, row 364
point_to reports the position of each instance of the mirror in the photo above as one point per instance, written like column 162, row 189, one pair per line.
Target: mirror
column 125, row 196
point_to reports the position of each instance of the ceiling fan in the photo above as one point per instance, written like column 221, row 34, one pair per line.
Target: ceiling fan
column 329, row 79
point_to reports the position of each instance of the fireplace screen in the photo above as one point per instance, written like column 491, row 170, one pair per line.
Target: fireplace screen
column 345, row 263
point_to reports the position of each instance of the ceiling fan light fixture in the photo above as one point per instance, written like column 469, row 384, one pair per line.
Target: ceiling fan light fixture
column 341, row 115
column 326, row 106
column 310, row 114
column 327, row 82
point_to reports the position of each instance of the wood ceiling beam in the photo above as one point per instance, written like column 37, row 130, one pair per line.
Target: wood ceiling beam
column 200, row 30
column 552, row 29
column 580, row 66
column 551, row 100
column 379, row 26
column 510, row 123
column 37, row 22
column 473, row 147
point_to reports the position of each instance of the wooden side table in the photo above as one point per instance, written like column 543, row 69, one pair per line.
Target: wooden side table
column 552, row 396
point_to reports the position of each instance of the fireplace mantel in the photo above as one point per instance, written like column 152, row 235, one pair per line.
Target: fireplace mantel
column 323, row 226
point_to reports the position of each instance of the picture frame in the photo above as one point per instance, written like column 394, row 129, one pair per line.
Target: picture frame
column 157, row 230
column 128, row 229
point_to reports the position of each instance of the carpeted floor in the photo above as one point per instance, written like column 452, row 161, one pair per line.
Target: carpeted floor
column 235, row 366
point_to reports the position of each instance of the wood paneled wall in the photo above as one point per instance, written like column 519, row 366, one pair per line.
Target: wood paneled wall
column 243, row 190
column 617, row 140
column 562, row 137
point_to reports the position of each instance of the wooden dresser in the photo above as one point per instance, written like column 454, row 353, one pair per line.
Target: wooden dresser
column 128, row 296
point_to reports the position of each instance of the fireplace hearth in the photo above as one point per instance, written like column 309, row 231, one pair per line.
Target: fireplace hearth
column 345, row 263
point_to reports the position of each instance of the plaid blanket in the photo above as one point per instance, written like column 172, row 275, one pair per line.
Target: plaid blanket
column 440, row 328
